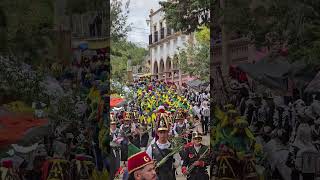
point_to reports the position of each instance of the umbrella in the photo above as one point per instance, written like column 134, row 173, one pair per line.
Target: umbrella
column 114, row 102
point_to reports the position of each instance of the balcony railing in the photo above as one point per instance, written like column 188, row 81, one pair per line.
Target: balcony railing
column 150, row 39
column 156, row 36
column 162, row 33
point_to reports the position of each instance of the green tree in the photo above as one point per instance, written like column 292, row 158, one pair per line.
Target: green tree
column 28, row 30
column 187, row 15
column 3, row 30
column 118, row 17
column 121, row 50
column 280, row 25
column 195, row 58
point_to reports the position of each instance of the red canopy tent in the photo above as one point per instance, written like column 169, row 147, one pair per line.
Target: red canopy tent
column 114, row 102
column 14, row 127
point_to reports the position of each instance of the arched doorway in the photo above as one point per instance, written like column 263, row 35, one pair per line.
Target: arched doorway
column 161, row 66
column 155, row 67
column 168, row 67
column 168, row 64
column 175, row 62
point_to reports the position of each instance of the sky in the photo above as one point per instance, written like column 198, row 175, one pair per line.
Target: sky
column 139, row 13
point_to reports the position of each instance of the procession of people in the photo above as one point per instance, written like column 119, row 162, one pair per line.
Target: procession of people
column 260, row 135
column 64, row 148
column 161, row 123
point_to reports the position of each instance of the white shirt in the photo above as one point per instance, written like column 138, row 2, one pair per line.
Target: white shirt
column 197, row 111
column 205, row 108
column 132, row 127
column 165, row 146
column 114, row 137
column 197, row 148
column 180, row 125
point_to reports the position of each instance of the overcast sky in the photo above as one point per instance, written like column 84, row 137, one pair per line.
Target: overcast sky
column 139, row 13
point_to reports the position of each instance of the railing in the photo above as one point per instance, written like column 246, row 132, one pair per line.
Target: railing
column 156, row 36
column 87, row 35
column 162, row 33
column 150, row 39
column 238, row 50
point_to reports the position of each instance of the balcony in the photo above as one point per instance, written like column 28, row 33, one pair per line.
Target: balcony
column 150, row 39
column 162, row 33
column 156, row 36
column 238, row 51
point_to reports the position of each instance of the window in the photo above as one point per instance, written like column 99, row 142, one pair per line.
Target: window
column 154, row 28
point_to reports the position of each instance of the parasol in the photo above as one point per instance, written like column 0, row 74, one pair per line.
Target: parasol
column 114, row 102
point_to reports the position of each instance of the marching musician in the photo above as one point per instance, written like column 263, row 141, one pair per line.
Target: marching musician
column 115, row 149
column 161, row 148
column 136, row 130
column 140, row 165
column 180, row 126
column 196, row 157
column 126, row 129
column 144, row 134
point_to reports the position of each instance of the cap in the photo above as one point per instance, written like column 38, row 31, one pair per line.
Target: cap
column 127, row 116
column 112, row 121
column 179, row 115
column 135, row 115
column 137, row 159
column 196, row 135
column 162, row 123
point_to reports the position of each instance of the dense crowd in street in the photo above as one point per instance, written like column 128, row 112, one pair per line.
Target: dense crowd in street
column 278, row 135
column 166, row 125
column 69, row 149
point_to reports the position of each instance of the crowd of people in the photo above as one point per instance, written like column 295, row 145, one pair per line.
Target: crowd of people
column 70, row 149
column 200, row 106
column 278, row 135
column 165, row 128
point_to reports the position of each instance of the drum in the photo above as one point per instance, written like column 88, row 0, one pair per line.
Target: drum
column 249, row 171
column 228, row 168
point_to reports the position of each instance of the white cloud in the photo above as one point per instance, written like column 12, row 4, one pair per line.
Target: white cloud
column 139, row 13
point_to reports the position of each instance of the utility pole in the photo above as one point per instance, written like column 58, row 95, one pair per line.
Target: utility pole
column 225, row 59
column 129, row 70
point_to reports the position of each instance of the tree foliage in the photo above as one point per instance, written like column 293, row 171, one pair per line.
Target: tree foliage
column 292, row 25
column 18, row 81
column 119, row 15
column 187, row 15
column 28, row 31
column 195, row 58
column 121, row 50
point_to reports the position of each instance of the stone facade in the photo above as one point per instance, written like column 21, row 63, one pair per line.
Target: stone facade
column 164, row 45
